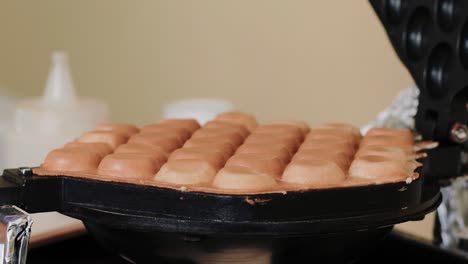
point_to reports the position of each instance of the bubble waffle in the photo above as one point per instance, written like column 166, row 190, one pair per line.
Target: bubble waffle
column 234, row 154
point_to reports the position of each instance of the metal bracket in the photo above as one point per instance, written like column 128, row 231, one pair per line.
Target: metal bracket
column 15, row 230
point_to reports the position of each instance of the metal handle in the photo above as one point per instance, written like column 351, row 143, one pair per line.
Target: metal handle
column 15, row 230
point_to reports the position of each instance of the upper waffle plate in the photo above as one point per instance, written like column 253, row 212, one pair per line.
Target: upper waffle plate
column 431, row 39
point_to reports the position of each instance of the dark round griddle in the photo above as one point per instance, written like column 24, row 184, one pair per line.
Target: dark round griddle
column 141, row 221
column 148, row 208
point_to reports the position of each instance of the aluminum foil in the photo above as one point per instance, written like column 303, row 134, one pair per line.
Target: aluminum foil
column 400, row 113
column 15, row 229
column 453, row 212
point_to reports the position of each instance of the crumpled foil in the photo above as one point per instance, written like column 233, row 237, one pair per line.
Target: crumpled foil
column 400, row 113
column 453, row 212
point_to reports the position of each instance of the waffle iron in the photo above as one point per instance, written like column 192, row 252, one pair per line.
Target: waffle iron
column 333, row 225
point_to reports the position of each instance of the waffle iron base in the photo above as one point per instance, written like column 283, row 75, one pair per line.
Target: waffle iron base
column 141, row 222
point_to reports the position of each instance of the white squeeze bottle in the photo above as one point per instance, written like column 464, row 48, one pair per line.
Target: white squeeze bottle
column 41, row 124
column 6, row 109
column 200, row 109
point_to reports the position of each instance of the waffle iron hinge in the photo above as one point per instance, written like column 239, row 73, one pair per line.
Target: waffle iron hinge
column 32, row 193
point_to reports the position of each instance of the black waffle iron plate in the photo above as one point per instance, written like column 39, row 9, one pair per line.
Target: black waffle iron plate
column 143, row 222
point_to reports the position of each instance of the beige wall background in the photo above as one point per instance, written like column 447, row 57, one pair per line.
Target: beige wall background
column 312, row 60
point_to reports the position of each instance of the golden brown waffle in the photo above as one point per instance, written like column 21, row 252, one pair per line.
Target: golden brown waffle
column 234, row 154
